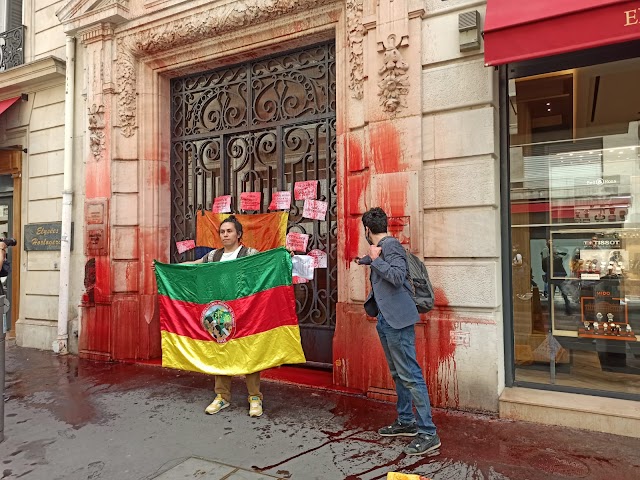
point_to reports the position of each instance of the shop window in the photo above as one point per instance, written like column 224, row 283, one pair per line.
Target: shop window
column 575, row 227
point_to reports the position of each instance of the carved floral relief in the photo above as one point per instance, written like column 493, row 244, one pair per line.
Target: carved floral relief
column 355, row 37
column 394, row 85
column 96, row 130
column 126, row 84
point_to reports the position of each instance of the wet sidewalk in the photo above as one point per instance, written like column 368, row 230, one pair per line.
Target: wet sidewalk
column 70, row 419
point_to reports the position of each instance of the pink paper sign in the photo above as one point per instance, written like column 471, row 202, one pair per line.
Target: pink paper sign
column 306, row 190
column 315, row 209
column 185, row 245
column 221, row 204
column 250, row 200
column 297, row 241
column 319, row 258
column 280, row 201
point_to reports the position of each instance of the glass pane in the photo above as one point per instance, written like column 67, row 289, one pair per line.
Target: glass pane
column 575, row 174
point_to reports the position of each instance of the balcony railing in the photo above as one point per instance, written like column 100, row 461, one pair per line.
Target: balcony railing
column 11, row 48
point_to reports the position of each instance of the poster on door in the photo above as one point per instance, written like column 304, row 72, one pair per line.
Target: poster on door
column 315, row 209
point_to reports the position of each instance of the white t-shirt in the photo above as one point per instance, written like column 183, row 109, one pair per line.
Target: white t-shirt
column 231, row 255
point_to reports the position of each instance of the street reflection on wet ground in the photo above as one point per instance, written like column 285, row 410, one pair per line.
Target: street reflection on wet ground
column 73, row 419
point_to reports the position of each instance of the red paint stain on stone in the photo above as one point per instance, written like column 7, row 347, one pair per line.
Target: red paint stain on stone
column 393, row 196
column 439, row 356
column 385, row 148
column 355, row 158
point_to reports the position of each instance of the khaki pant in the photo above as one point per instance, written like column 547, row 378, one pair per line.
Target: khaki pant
column 223, row 385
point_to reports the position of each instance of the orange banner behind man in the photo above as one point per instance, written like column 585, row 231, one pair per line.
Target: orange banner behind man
column 262, row 231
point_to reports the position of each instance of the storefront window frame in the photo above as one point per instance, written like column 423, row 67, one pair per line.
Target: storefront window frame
column 505, row 73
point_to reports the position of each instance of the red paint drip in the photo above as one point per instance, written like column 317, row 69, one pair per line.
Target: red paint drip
column 439, row 359
column 385, row 148
column 355, row 159
column 393, row 198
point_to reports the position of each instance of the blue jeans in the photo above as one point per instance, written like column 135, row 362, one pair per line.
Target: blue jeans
column 399, row 347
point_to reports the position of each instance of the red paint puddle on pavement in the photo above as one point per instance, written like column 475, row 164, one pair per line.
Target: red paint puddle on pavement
column 305, row 452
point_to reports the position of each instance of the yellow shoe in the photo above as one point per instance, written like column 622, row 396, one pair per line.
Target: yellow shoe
column 218, row 404
column 255, row 406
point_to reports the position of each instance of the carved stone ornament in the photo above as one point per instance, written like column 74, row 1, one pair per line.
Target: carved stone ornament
column 216, row 21
column 96, row 130
column 394, row 86
column 355, row 35
column 127, row 97
column 185, row 31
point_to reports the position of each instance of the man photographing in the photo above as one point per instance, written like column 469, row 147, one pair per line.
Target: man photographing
column 390, row 300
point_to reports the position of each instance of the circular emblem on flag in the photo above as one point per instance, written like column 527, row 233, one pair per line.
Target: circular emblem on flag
column 218, row 319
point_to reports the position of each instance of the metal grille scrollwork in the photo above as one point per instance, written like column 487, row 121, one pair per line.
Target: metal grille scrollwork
column 11, row 48
column 261, row 127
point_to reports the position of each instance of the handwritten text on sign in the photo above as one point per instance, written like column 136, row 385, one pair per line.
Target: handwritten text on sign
column 306, row 190
column 319, row 258
column 250, row 201
column 315, row 209
column 280, row 201
column 297, row 241
column 222, row 204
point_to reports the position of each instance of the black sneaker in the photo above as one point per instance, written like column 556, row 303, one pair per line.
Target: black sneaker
column 399, row 429
column 423, row 444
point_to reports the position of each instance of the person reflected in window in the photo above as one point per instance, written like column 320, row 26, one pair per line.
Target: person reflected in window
column 558, row 276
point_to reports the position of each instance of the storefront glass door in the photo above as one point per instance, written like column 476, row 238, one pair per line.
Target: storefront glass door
column 575, row 227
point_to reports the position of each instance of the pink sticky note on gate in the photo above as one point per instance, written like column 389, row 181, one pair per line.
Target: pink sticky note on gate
column 185, row 245
column 315, row 209
column 250, row 200
column 319, row 258
column 280, row 201
column 297, row 241
column 305, row 190
column 221, row 204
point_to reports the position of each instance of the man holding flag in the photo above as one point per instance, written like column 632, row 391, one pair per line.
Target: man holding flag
column 214, row 319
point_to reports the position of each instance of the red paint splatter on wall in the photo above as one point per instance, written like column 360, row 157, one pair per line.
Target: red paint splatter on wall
column 439, row 357
column 355, row 159
column 392, row 196
column 386, row 155
column 353, row 191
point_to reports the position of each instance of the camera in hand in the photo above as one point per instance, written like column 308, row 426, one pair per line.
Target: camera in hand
column 9, row 242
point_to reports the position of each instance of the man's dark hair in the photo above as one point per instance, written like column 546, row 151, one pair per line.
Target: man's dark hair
column 375, row 220
column 236, row 223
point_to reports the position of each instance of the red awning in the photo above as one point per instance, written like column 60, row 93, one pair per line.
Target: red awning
column 4, row 104
column 523, row 30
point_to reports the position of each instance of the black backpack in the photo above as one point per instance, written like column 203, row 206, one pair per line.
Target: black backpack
column 418, row 276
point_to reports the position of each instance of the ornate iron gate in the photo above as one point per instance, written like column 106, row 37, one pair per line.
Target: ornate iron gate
column 261, row 127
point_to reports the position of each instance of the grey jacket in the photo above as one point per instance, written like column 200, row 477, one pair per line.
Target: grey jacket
column 390, row 287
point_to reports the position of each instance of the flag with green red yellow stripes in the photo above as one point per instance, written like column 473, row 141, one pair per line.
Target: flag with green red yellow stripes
column 229, row 318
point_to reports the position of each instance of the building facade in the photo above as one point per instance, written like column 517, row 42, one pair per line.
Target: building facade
column 387, row 103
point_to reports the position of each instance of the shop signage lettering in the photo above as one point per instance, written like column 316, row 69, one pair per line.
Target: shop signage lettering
column 44, row 236
column 602, row 243
column 632, row 17
column 602, row 181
